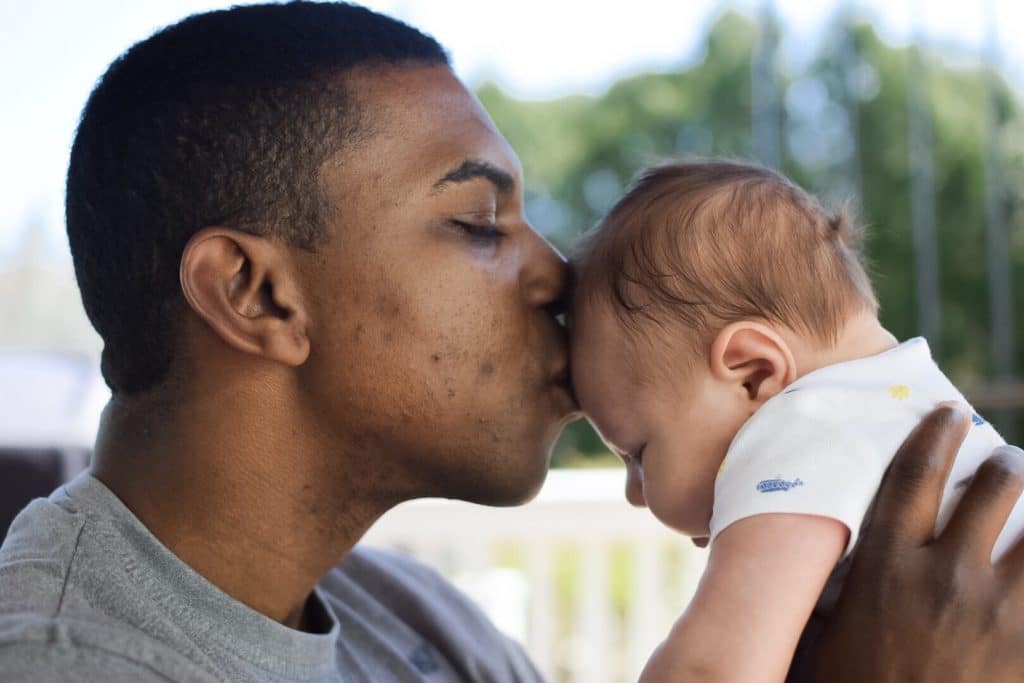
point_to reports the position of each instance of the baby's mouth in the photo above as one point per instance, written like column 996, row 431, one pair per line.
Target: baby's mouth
column 635, row 483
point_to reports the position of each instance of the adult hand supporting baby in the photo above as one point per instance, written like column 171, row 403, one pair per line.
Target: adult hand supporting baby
column 918, row 608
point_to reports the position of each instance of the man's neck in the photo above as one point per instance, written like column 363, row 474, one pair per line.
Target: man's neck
column 238, row 491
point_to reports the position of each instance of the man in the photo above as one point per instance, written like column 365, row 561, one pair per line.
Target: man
column 303, row 243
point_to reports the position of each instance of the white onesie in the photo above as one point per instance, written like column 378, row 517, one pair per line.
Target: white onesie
column 822, row 445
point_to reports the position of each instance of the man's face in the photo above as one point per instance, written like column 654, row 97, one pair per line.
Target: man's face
column 435, row 354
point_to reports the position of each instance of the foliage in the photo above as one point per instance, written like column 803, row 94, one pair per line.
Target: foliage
column 845, row 125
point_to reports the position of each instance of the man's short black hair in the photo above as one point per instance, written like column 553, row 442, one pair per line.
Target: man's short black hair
column 222, row 119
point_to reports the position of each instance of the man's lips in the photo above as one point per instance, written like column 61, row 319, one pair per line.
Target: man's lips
column 563, row 379
column 562, row 374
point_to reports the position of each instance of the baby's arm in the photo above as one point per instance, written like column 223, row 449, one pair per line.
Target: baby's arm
column 763, row 578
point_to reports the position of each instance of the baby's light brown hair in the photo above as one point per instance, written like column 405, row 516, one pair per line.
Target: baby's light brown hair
column 697, row 244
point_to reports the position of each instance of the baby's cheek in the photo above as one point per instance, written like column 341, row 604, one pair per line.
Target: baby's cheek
column 680, row 496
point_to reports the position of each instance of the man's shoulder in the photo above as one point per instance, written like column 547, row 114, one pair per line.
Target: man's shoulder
column 368, row 563
column 363, row 556
column 65, row 604
column 36, row 556
column 404, row 586
column 34, row 661
column 405, row 596
column 43, row 647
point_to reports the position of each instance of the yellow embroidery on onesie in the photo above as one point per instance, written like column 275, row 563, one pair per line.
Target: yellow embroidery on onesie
column 900, row 392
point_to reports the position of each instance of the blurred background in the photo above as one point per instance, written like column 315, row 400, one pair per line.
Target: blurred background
column 910, row 111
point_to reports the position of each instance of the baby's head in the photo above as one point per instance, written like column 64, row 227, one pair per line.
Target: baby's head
column 704, row 292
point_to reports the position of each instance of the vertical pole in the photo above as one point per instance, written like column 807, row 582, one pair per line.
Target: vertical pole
column 922, row 195
column 643, row 616
column 1000, row 284
column 849, row 62
column 593, row 634
column 764, row 91
column 542, row 633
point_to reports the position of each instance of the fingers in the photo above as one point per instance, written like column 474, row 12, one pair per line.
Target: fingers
column 1012, row 562
column 987, row 503
column 908, row 500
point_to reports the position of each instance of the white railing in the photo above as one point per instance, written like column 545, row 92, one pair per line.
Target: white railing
column 587, row 583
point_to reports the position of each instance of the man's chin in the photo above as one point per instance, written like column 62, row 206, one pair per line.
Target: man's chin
column 509, row 481
column 517, row 489
column 498, row 497
column 513, row 475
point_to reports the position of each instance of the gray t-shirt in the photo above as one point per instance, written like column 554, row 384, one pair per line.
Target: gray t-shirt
column 87, row 593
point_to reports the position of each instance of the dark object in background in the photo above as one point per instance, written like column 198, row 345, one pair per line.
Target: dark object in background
column 25, row 474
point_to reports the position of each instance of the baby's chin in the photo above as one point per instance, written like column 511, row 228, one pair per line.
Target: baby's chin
column 688, row 521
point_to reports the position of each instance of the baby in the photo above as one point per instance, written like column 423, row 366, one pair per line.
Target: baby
column 726, row 344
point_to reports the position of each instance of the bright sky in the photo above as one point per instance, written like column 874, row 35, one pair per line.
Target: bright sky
column 54, row 50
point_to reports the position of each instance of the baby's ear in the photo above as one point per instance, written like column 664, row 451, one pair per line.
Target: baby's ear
column 754, row 358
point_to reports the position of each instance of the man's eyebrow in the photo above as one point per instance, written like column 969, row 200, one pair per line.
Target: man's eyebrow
column 470, row 169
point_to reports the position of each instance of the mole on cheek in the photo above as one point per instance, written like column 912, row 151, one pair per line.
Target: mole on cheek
column 436, row 357
column 387, row 307
column 487, row 368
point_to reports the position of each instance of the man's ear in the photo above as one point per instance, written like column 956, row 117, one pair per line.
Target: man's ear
column 245, row 289
column 753, row 357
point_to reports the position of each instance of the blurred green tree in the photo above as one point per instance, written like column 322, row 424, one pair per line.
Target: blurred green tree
column 845, row 133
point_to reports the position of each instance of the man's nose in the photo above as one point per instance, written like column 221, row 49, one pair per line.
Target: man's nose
column 545, row 275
